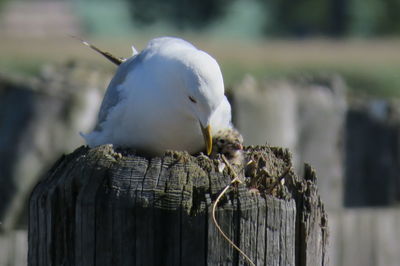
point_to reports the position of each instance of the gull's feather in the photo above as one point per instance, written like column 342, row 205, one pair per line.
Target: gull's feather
column 111, row 97
column 112, row 58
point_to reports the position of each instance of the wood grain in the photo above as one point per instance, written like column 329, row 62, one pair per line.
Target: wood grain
column 98, row 207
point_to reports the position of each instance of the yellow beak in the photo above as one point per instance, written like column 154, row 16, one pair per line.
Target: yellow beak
column 207, row 138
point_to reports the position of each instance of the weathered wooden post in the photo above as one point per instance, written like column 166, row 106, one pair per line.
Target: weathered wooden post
column 99, row 207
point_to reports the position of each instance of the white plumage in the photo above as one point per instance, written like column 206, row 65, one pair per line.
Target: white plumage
column 164, row 98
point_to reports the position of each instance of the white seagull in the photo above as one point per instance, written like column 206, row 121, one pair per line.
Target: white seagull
column 170, row 96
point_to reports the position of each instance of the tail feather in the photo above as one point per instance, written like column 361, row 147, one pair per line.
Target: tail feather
column 112, row 58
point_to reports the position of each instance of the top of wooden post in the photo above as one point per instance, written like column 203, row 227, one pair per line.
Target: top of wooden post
column 179, row 172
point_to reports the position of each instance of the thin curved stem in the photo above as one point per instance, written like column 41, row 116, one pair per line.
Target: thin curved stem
column 236, row 179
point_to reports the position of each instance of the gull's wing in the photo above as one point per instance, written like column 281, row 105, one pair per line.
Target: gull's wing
column 112, row 97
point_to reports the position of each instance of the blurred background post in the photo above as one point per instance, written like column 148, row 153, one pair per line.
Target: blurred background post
column 320, row 77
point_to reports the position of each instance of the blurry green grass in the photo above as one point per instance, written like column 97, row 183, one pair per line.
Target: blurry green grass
column 383, row 81
column 368, row 67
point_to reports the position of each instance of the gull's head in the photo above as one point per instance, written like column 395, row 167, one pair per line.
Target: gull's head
column 195, row 74
column 203, row 89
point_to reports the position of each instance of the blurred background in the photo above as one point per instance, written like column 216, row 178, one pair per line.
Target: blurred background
column 320, row 77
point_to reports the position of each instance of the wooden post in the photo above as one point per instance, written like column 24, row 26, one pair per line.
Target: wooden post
column 99, row 207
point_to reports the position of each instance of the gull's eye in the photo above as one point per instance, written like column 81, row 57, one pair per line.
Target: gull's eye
column 192, row 99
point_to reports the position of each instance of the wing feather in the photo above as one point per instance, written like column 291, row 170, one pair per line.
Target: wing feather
column 112, row 95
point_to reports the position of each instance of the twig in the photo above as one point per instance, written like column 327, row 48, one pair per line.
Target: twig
column 235, row 180
column 236, row 177
column 278, row 180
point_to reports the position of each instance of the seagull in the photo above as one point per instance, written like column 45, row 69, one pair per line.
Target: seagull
column 170, row 96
